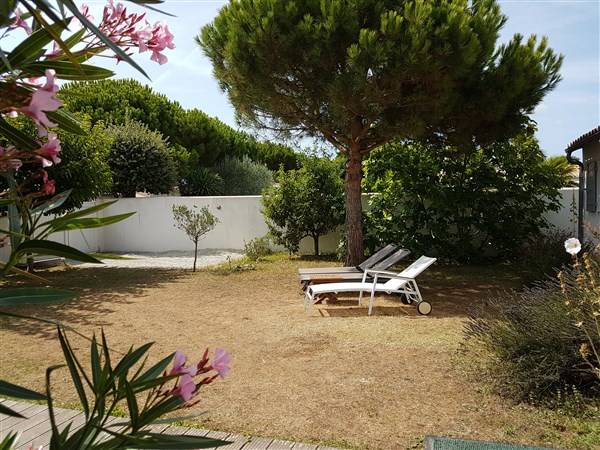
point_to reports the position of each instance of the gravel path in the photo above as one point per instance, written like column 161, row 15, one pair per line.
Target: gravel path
column 168, row 260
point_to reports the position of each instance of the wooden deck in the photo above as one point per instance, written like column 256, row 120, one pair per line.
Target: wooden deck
column 35, row 430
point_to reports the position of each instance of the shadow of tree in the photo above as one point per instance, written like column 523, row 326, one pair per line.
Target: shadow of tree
column 100, row 291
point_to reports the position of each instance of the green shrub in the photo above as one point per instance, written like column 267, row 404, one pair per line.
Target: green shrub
column 461, row 204
column 201, row 182
column 140, row 161
column 305, row 202
column 243, row 176
column 546, row 338
column 257, row 248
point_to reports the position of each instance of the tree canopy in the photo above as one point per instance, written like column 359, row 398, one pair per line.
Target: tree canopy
column 485, row 204
column 206, row 138
column 360, row 73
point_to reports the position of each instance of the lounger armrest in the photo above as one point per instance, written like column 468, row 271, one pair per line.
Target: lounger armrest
column 381, row 272
column 389, row 274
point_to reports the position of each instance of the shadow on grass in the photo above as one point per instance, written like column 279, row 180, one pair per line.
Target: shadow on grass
column 99, row 289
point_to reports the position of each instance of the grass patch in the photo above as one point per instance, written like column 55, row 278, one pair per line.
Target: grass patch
column 338, row 377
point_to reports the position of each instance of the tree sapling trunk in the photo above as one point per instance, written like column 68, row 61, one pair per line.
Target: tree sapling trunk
column 195, row 254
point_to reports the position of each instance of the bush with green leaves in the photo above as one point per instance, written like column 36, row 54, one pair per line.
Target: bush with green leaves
column 545, row 338
column 194, row 223
column 305, row 202
column 257, row 248
column 459, row 204
column 243, row 176
column 140, row 161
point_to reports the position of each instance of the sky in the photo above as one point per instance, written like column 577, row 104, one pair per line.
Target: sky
column 572, row 27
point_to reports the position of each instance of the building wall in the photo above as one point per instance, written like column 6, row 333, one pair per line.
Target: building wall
column 591, row 152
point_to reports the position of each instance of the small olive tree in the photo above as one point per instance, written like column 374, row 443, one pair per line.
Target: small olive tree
column 196, row 223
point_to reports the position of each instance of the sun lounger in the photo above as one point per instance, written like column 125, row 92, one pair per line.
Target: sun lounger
column 366, row 264
column 398, row 283
column 334, row 274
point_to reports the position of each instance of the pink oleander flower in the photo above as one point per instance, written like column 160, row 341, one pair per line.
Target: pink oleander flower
column 221, row 362
column 56, row 51
column 179, row 368
column 19, row 22
column 85, row 10
column 161, row 40
column 186, row 387
column 43, row 100
column 49, row 186
column 48, row 153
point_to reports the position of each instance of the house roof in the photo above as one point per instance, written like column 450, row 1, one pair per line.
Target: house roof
column 584, row 139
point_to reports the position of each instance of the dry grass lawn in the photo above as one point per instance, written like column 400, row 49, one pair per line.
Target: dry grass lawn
column 338, row 377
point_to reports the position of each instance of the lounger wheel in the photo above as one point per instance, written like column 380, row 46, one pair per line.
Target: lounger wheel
column 424, row 308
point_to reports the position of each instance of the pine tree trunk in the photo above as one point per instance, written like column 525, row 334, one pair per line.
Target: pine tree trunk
column 316, row 243
column 195, row 254
column 354, row 232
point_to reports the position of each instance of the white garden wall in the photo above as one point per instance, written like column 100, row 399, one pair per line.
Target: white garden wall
column 151, row 228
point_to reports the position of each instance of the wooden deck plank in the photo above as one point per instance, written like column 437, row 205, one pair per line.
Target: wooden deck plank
column 42, row 427
column 301, row 446
column 278, row 444
column 44, row 439
column 36, row 430
column 237, row 442
column 257, row 443
column 17, row 423
column 21, row 408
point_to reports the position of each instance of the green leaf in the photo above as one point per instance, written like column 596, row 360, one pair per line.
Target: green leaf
column 53, row 203
column 90, row 222
column 83, row 212
column 155, row 371
column 131, row 358
column 74, row 39
column 33, row 47
column 42, row 247
column 96, row 368
column 12, row 390
column 17, row 137
column 66, row 121
column 10, row 440
column 173, row 441
column 66, row 70
column 34, row 296
column 132, row 406
column 75, row 376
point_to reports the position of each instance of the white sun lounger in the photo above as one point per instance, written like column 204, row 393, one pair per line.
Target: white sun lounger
column 398, row 283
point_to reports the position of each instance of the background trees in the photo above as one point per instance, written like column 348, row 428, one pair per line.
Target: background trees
column 362, row 73
column 198, row 141
column 305, row 202
column 463, row 206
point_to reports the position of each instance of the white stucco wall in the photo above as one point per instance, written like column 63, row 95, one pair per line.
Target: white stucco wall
column 152, row 229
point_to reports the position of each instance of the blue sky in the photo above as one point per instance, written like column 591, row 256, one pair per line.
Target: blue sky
column 572, row 26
